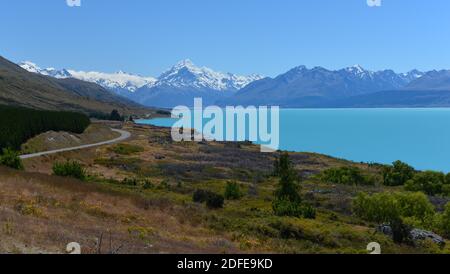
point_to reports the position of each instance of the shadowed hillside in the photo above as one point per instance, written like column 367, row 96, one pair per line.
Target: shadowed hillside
column 22, row 88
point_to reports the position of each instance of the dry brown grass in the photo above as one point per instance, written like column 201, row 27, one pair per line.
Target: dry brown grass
column 95, row 133
column 41, row 214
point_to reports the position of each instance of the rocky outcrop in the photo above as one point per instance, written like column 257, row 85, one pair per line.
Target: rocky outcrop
column 415, row 234
column 419, row 234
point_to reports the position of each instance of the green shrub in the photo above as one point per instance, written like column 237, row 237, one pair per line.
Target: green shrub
column 346, row 176
column 443, row 221
column 388, row 207
column 379, row 208
column 415, row 205
column 232, row 191
column 69, row 169
column 211, row 199
column 10, row 158
column 397, row 174
column 215, row 201
column 147, row 185
column 115, row 116
column 429, row 182
column 293, row 209
column 446, row 189
column 200, row 195
column 287, row 230
column 309, row 212
column 283, row 207
column 392, row 209
column 125, row 149
column 130, row 182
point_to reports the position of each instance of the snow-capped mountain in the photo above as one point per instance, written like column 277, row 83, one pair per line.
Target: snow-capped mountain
column 183, row 82
column 32, row 67
column 183, row 76
column 186, row 74
column 412, row 75
column 120, row 82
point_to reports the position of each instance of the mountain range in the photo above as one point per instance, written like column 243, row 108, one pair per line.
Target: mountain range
column 316, row 87
column 176, row 86
column 120, row 82
column 299, row 87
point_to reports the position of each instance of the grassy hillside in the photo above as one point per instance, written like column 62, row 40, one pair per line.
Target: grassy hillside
column 145, row 192
column 22, row 88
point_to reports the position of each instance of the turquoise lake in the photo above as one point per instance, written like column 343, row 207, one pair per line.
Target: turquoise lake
column 420, row 137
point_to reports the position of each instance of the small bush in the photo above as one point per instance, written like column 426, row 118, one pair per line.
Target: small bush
column 293, row 209
column 147, row 185
column 346, row 176
column 69, row 169
column 232, row 191
column 309, row 212
column 130, row 182
column 212, row 199
column 200, row 195
column 215, row 201
column 397, row 174
column 125, row 149
column 11, row 159
column 287, row 230
column 284, row 207
column 28, row 208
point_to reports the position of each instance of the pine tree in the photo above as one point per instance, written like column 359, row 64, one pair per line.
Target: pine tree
column 288, row 188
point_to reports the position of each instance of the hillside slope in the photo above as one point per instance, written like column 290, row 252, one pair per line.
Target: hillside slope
column 22, row 88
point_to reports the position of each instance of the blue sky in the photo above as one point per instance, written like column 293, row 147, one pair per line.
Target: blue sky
column 241, row 36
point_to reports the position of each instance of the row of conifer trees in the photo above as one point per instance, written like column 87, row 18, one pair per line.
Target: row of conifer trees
column 18, row 124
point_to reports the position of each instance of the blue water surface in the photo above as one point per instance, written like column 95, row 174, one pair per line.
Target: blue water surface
column 420, row 137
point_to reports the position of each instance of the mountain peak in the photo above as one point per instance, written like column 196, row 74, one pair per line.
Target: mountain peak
column 30, row 66
column 356, row 69
column 185, row 74
column 186, row 63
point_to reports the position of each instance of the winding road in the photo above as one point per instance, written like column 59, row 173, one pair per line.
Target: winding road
column 123, row 136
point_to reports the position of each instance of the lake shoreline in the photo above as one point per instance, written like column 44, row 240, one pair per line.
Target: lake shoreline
column 416, row 136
